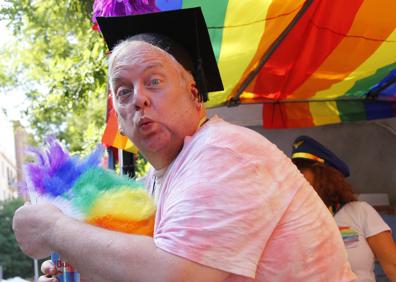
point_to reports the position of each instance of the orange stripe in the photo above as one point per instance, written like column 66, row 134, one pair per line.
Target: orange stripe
column 291, row 115
column 111, row 129
column 112, row 137
column 142, row 227
column 298, row 115
column 352, row 51
column 279, row 15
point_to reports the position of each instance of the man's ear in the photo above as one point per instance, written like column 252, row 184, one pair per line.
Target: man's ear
column 194, row 91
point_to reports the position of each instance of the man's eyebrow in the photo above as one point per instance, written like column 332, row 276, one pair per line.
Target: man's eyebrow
column 154, row 65
column 120, row 78
column 117, row 80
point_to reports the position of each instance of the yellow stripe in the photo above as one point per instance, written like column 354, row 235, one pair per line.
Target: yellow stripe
column 245, row 26
column 279, row 16
column 122, row 142
column 307, row 156
column 119, row 141
column 130, row 147
column 324, row 112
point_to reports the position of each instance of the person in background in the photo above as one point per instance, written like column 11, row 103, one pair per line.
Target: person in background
column 365, row 234
column 230, row 205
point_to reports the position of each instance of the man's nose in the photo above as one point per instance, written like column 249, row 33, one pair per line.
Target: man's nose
column 141, row 98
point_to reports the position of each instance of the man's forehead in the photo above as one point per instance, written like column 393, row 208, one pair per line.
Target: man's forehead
column 141, row 65
column 143, row 50
column 123, row 72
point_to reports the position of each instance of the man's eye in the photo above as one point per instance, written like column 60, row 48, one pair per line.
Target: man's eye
column 155, row 82
column 124, row 92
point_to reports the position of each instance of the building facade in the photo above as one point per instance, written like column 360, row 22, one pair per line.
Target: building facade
column 8, row 165
column 8, row 178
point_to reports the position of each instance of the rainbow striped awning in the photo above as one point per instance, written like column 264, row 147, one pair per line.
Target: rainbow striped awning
column 308, row 62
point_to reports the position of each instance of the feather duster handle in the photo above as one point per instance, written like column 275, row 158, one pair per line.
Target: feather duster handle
column 84, row 190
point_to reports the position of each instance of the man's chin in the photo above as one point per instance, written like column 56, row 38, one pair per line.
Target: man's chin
column 153, row 147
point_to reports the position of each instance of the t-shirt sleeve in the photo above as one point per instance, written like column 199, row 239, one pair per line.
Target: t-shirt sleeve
column 373, row 222
column 217, row 214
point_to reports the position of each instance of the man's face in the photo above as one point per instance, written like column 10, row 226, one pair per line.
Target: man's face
column 155, row 105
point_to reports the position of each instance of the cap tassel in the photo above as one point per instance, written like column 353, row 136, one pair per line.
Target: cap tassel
column 201, row 81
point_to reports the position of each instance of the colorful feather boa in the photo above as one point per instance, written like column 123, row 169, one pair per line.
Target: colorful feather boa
column 84, row 190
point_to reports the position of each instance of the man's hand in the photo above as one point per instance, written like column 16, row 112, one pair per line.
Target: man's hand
column 33, row 225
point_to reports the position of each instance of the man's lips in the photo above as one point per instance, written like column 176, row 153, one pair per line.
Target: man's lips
column 145, row 123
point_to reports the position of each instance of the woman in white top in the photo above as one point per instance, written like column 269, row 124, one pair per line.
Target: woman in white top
column 366, row 236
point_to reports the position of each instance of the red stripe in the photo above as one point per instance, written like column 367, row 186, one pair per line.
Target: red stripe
column 283, row 115
column 272, row 117
column 306, row 47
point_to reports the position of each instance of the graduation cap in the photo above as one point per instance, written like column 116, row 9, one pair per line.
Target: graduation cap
column 305, row 147
column 181, row 33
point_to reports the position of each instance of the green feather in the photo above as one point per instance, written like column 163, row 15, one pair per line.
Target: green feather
column 94, row 182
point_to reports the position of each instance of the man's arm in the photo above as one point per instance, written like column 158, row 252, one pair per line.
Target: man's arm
column 102, row 255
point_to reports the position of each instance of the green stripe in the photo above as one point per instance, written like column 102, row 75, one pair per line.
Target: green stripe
column 355, row 110
column 362, row 86
column 214, row 12
column 351, row 110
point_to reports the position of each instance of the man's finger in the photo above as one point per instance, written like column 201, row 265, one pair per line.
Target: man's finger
column 46, row 278
column 48, row 268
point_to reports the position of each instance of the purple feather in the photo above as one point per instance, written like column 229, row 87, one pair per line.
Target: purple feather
column 55, row 171
column 36, row 174
column 111, row 8
column 55, row 155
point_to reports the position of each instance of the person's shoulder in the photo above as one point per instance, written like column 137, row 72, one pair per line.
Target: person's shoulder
column 361, row 210
column 226, row 139
column 217, row 123
column 358, row 206
column 221, row 130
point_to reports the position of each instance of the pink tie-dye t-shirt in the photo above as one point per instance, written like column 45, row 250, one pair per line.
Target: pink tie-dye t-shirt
column 232, row 200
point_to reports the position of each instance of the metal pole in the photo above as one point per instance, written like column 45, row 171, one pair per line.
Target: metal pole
column 36, row 272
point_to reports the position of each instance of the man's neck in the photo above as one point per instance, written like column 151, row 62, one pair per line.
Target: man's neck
column 162, row 159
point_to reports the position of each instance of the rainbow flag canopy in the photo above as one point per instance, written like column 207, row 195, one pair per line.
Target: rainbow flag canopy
column 308, row 62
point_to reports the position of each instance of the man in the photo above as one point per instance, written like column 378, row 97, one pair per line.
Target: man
column 230, row 205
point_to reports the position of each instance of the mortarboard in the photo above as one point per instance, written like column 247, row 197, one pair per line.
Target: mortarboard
column 181, row 33
column 305, row 147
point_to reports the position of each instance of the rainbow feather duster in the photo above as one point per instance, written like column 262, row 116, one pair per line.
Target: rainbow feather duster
column 84, row 190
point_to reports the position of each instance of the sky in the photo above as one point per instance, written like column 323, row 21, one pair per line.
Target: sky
column 11, row 101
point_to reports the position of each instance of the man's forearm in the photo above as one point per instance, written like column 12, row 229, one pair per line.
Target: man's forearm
column 103, row 255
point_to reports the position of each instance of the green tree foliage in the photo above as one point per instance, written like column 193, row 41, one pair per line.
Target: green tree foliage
column 59, row 62
column 13, row 261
